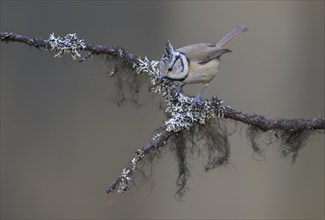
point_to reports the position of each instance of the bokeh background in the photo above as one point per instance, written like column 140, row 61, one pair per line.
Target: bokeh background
column 63, row 140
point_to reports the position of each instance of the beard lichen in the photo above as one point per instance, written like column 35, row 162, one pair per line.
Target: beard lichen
column 191, row 124
column 186, row 121
column 288, row 141
column 208, row 142
column 195, row 133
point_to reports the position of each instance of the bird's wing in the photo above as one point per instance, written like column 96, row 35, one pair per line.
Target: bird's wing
column 202, row 53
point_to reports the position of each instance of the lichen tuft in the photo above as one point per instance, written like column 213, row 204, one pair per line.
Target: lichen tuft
column 70, row 44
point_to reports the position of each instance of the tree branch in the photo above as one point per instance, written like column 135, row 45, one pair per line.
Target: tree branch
column 182, row 115
column 266, row 124
column 118, row 52
column 125, row 177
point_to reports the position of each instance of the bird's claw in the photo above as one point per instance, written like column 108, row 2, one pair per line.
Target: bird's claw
column 161, row 78
column 178, row 89
column 197, row 99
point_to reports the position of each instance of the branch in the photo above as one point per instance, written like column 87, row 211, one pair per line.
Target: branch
column 125, row 177
column 251, row 119
column 182, row 116
column 117, row 52
column 266, row 124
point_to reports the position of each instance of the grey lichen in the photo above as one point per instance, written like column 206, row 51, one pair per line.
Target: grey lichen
column 6, row 35
column 70, row 44
column 183, row 113
column 126, row 175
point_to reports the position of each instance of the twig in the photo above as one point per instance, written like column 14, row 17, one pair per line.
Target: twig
column 266, row 124
column 126, row 176
column 117, row 52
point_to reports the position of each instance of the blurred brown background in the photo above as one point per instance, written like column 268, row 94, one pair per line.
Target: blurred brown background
column 63, row 141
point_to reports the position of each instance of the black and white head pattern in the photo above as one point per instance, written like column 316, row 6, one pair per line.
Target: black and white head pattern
column 173, row 64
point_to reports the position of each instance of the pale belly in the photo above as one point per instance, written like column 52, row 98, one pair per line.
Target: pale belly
column 202, row 73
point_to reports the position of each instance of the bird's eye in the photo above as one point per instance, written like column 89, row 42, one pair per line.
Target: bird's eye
column 170, row 69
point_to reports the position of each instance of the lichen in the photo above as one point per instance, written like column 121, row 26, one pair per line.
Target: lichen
column 6, row 35
column 182, row 114
column 127, row 173
column 70, row 44
column 179, row 107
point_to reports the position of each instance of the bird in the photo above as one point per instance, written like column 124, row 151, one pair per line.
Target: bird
column 195, row 63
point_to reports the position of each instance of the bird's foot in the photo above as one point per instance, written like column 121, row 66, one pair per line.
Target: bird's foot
column 161, row 78
column 197, row 99
column 178, row 89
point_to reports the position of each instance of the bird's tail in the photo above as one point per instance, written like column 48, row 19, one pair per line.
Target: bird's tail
column 237, row 30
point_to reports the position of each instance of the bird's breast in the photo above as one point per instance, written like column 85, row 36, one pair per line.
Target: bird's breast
column 202, row 73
